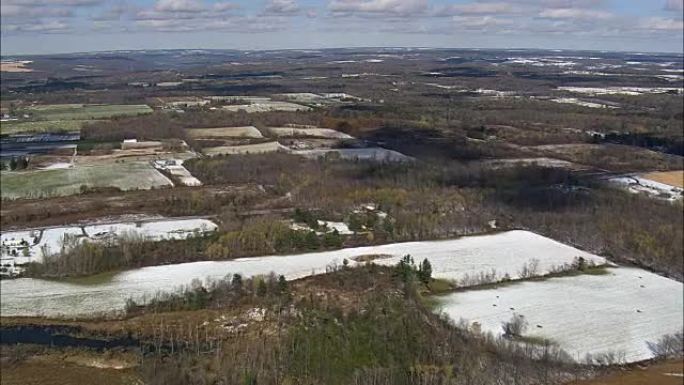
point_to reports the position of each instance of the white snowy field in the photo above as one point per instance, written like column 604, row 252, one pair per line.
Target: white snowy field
column 582, row 103
column 154, row 230
column 620, row 90
column 451, row 259
column 637, row 184
column 50, row 240
column 586, row 314
column 371, row 154
column 326, row 133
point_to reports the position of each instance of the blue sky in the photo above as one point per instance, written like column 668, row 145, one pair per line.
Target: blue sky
column 53, row 26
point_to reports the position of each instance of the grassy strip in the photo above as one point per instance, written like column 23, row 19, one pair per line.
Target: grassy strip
column 442, row 286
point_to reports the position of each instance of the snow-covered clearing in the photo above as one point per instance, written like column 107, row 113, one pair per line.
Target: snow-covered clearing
column 373, row 154
column 21, row 247
column 540, row 162
column 620, row 90
column 257, row 148
column 326, row 133
column 175, row 167
column 638, row 184
column 325, row 227
column 582, row 103
column 225, row 132
column 587, row 314
column 267, row 105
column 455, row 259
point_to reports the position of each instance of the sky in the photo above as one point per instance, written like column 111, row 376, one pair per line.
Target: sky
column 59, row 26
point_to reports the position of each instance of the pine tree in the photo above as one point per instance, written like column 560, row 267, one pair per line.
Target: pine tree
column 425, row 271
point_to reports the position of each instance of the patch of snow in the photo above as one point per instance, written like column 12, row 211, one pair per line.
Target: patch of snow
column 451, row 259
column 587, row 314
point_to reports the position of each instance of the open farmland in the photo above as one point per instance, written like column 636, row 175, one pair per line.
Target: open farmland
column 15, row 66
column 637, row 184
column 256, row 148
column 308, row 132
column 42, row 126
column 672, row 178
column 32, row 245
column 54, row 112
column 620, row 312
column 124, row 175
column 370, row 154
column 266, row 105
column 457, row 259
column 225, row 132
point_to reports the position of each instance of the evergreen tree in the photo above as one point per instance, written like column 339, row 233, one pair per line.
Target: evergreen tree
column 262, row 289
column 425, row 271
column 282, row 285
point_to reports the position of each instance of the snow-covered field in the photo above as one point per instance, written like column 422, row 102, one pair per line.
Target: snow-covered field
column 326, row 133
column 175, row 167
column 582, row 103
column 586, row 314
column 540, row 162
column 637, row 184
column 620, row 90
column 373, row 154
column 257, row 148
column 226, row 132
column 21, row 247
column 267, row 105
column 454, row 259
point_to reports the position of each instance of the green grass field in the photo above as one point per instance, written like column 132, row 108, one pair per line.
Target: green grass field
column 42, row 126
column 129, row 175
column 52, row 112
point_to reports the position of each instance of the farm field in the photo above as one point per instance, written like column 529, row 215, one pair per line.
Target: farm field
column 610, row 156
column 53, row 112
column 672, row 178
column 619, row 312
column 42, row 126
column 637, row 184
column 372, row 154
column 326, row 133
column 125, row 175
column 456, row 259
column 15, row 66
column 225, row 132
column 256, row 148
column 267, row 105
column 667, row 373
column 41, row 242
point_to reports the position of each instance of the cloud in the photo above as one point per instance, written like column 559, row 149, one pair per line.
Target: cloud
column 390, row 7
column 224, row 6
column 487, row 8
column 479, row 22
column 662, row 24
column 39, row 26
column 571, row 3
column 574, row 13
column 179, row 6
column 281, row 7
column 674, row 5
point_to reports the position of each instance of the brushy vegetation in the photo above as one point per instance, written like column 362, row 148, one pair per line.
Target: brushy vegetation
column 387, row 337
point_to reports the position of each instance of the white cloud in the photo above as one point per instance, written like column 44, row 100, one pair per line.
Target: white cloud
column 575, row 13
column 281, row 7
column 179, row 6
column 479, row 22
column 391, row 7
column 39, row 26
column 477, row 9
column 224, row 6
column 662, row 24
